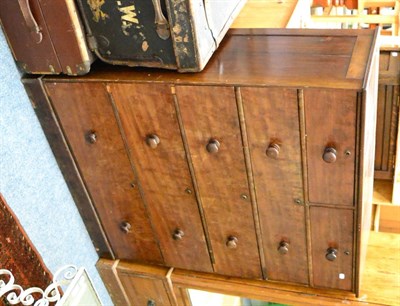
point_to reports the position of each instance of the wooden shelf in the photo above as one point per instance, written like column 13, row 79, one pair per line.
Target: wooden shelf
column 383, row 190
column 386, row 215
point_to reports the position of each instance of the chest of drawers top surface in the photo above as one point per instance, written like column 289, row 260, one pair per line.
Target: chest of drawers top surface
column 271, row 57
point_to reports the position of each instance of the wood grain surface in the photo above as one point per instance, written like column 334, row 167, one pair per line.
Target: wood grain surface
column 110, row 278
column 65, row 160
column 365, row 163
column 381, row 276
column 331, row 122
column 144, row 290
column 294, row 57
column 66, row 35
column 386, row 130
column 381, row 285
column 396, row 178
column 210, row 113
column 381, row 132
column 148, row 109
column 105, row 167
column 265, row 14
column 146, row 283
column 337, row 91
column 272, row 118
column 32, row 56
column 332, row 228
column 389, row 67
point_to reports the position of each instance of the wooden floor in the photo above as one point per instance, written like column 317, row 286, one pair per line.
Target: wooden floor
column 381, row 281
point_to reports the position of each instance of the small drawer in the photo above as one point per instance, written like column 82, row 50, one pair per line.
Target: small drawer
column 95, row 140
column 273, row 132
column 332, row 247
column 136, row 284
column 149, row 121
column 331, row 150
column 211, row 124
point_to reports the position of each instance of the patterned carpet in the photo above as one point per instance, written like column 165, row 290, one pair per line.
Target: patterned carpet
column 18, row 255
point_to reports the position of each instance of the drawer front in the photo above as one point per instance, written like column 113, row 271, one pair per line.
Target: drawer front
column 332, row 247
column 272, row 124
column 88, row 121
column 331, row 135
column 144, row 290
column 148, row 117
column 212, row 129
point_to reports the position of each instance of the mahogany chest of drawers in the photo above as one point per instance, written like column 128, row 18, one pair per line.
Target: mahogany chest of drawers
column 259, row 167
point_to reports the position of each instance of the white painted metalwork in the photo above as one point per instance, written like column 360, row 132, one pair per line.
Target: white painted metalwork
column 73, row 281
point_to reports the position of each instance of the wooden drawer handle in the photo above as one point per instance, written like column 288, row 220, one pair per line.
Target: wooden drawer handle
column 331, row 254
column 329, row 155
column 91, row 137
column 152, row 141
column 125, row 227
column 232, row 242
column 283, row 247
column 213, row 146
column 273, row 151
column 178, row 234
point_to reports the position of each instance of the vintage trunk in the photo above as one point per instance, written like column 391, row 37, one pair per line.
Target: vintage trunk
column 172, row 34
column 259, row 167
column 45, row 36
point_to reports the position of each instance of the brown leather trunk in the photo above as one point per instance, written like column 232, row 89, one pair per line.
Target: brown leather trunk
column 45, row 36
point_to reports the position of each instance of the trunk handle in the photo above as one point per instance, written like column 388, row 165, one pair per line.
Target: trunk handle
column 162, row 26
column 30, row 20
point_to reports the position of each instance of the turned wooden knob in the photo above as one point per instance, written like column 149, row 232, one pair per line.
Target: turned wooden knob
column 125, row 227
column 178, row 234
column 329, row 155
column 151, row 303
column 91, row 137
column 331, row 254
column 213, row 146
column 273, row 151
column 283, row 247
column 152, row 141
column 232, row 242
